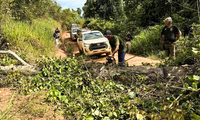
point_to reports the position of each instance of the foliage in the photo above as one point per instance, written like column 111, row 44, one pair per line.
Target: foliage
column 31, row 39
column 150, row 12
column 100, row 24
column 79, row 96
column 148, row 41
column 32, row 9
column 118, row 27
column 104, row 9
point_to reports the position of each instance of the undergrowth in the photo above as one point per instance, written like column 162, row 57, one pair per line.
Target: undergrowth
column 147, row 42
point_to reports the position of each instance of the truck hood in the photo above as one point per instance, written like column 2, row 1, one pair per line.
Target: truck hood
column 93, row 41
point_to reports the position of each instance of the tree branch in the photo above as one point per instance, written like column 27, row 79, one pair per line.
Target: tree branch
column 16, row 56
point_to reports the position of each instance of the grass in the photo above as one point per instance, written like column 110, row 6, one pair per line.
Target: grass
column 32, row 39
column 4, row 114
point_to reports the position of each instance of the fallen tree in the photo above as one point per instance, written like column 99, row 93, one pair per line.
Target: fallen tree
column 25, row 68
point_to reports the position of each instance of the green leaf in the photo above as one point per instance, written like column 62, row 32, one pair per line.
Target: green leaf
column 90, row 118
column 115, row 114
column 106, row 118
column 132, row 95
column 97, row 112
column 195, row 116
column 186, row 85
column 196, row 77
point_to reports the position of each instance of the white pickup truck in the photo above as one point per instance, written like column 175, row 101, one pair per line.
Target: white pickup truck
column 93, row 42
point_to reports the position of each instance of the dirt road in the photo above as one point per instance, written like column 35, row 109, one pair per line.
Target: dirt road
column 137, row 60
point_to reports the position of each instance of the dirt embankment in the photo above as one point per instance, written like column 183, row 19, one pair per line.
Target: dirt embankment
column 136, row 60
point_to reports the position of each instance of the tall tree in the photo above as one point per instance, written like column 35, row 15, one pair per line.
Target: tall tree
column 79, row 11
column 106, row 9
column 149, row 12
column 30, row 9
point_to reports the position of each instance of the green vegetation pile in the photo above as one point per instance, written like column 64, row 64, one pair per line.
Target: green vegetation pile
column 78, row 95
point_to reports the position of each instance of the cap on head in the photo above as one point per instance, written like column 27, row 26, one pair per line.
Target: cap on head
column 57, row 30
column 169, row 19
column 107, row 33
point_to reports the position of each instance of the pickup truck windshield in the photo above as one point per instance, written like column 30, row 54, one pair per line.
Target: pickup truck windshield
column 75, row 25
column 74, row 30
column 93, row 35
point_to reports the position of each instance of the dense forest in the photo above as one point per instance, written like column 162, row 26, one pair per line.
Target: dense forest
column 143, row 13
column 70, row 85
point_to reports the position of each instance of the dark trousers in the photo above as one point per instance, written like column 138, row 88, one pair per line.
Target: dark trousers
column 121, row 57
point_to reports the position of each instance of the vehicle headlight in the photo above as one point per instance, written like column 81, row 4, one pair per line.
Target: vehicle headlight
column 86, row 45
column 108, row 44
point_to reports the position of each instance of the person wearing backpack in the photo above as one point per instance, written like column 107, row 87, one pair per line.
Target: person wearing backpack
column 117, row 45
column 171, row 34
column 56, row 35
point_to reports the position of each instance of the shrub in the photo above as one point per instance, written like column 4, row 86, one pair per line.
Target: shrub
column 147, row 41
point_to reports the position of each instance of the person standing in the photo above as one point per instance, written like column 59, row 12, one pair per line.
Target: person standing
column 171, row 34
column 56, row 35
column 129, row 37
column 117, row 45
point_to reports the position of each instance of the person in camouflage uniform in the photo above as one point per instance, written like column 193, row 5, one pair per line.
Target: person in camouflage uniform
column 118, row 45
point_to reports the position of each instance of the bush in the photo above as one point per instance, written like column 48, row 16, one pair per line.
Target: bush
column 147, row 41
